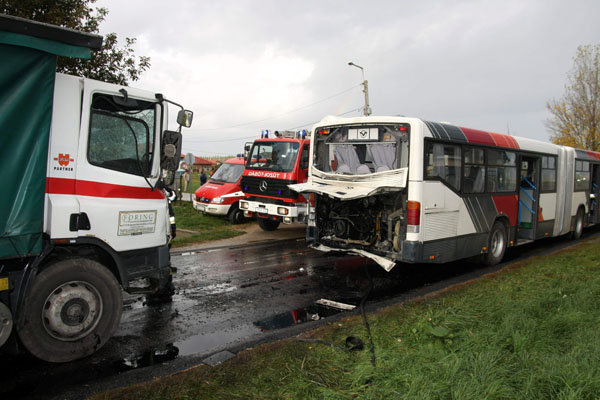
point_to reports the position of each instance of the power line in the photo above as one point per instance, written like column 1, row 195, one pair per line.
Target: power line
column 229, row 140
column 337, row 115
column 296, row 127
column 282, row 114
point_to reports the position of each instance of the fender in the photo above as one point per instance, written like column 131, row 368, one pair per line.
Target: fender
column 24, row 282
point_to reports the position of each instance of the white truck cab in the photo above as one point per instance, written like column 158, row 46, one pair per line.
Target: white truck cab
column 86, row 212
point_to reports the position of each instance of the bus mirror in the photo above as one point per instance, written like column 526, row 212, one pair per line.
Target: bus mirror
column 171, row 151
column 184, row 118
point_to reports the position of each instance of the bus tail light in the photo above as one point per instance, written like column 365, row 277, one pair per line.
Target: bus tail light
column 413, row 216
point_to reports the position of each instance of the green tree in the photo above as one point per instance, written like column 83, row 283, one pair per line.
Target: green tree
column 110, row 64
column 576, row 116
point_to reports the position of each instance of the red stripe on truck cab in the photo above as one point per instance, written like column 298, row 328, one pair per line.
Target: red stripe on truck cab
column 99, row 189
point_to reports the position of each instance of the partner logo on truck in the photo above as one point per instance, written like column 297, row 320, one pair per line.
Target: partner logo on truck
column 63, row 162
column 263, row 174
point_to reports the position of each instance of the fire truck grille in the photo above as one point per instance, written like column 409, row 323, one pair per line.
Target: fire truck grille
column 268, row 187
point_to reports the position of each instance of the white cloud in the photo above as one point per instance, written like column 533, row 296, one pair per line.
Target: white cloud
column 486, row 64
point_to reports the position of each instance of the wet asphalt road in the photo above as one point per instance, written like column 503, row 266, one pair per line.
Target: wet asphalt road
column 231, row 298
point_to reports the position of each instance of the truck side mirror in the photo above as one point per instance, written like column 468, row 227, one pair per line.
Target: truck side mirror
column 171, row 150
column 184, row 118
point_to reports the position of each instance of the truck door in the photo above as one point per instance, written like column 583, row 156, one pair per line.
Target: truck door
column 304, row 157
column 117, row 163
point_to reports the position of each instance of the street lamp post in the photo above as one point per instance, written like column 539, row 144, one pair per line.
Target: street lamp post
column 367, row 109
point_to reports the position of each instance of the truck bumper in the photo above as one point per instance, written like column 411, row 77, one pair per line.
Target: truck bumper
column 214, row 209
column 288, row 214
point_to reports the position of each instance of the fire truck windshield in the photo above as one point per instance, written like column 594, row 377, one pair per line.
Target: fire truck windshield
column 273, row 156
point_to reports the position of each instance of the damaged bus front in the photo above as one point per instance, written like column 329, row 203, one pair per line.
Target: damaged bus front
column 358, row 180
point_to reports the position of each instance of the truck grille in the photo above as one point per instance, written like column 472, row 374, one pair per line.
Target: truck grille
column 274, row 187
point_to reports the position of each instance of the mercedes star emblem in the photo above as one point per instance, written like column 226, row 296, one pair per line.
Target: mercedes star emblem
column 263, row 186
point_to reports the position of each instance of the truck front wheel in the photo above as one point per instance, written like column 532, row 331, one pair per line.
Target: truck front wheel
column 267, row 224
column 73, row 308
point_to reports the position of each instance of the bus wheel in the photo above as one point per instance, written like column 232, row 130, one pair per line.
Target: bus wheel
column 268, row 224
column 73, row 308
column 576, row 234
column 496, row 244
column 236, row 216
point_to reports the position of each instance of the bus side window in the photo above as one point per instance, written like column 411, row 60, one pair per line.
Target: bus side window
column 501, row 171
column 444, row 160
column 474, row 171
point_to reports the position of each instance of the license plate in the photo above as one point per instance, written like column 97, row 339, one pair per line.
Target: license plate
column 262, row 210
column 201, row 207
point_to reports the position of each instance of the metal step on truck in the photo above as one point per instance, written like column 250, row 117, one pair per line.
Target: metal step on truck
column 275, row 161
column 84, row 213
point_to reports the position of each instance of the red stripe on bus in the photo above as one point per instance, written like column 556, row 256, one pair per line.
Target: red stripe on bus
column 594, row 155
column 480, row 137
column 504, row 140
column 99, row 189
column 509, row 206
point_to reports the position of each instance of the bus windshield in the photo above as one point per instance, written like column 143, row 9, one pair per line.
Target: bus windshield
column 273, row 156
column 359, row 150
column 228, row 173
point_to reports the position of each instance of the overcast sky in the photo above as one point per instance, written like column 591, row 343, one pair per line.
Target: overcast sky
column 244, row 66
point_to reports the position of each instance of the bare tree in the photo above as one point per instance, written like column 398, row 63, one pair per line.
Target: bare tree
column 576, row 116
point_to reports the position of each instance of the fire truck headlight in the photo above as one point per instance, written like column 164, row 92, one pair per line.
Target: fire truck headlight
column 282, row 211
column 243, row 205
column 218, row 200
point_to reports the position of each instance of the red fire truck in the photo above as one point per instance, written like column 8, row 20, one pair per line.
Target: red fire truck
column 275, row 161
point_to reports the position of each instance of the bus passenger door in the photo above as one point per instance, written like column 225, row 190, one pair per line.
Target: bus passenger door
column 594, row 193
column 529, row 210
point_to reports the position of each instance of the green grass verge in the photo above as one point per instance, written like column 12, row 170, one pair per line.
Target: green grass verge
column 205, row 227
column 528, row 332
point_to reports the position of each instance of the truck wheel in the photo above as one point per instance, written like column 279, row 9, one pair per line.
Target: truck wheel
column 236, row 216
column 576, row 234
column 73, row 308
column 267, row 224
column 496, row 244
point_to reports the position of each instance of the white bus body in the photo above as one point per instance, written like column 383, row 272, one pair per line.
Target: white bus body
column 398, row 189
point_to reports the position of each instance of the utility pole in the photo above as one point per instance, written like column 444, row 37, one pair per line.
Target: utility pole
column 367, row 109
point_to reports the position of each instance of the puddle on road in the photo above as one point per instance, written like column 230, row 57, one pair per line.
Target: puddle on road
column 206, row 341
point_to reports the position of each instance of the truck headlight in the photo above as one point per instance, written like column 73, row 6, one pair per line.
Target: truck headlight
column 243, row 205
column 218, row 200
column 282, row 211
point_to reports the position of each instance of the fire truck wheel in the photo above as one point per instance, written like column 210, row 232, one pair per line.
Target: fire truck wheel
column 236, row 216
column 73, row 308
column 268, row 224
column 496, row 244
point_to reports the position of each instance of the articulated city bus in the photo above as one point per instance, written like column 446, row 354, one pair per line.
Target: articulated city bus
column 398, row 189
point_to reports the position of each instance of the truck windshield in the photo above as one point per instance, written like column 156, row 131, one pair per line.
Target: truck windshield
column 359, row 150
column 228, row 173
column 273, row 156
column 122, row 134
